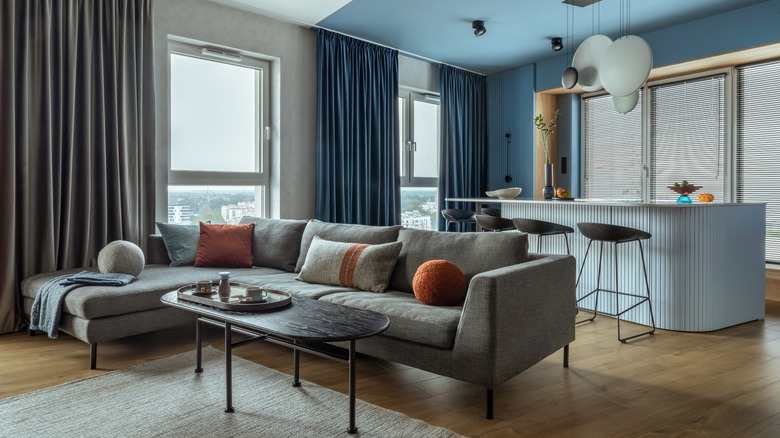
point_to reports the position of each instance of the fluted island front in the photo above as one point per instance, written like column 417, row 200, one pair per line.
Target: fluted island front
column 706, row 262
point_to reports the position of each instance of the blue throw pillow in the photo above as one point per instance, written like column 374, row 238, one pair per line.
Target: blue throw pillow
column 181, row 241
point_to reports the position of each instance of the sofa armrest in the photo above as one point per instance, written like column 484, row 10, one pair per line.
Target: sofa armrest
column 514, row 317
column 156, row 252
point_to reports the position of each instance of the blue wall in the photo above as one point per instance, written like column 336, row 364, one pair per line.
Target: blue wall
column 512, row 102
column 510, row 109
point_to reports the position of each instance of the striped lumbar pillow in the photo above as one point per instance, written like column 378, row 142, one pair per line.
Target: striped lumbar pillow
column 357, row 265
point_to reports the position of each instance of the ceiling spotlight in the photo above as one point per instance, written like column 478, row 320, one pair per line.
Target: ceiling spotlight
column 557, row 44
column 479, row 27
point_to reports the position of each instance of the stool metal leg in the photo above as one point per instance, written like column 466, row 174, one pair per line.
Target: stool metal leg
column 568, row 248
column 645, row 299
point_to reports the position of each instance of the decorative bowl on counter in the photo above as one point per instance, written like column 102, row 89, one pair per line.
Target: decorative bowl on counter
column 684, row 191
column 508, row 193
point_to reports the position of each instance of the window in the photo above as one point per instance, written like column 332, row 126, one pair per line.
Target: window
column 685, row 139
column 419, row 147
column 688, row 136
column 219, row 122
column 613, row 150
column 758, row 145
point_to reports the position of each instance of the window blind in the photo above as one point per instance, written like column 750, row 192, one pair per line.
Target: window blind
column 758, row 145
column 688, row 136
column 613, row 151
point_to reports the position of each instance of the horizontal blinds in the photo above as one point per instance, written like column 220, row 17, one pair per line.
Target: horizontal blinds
column 758, row 145
column 688, row 136
column 613, row 151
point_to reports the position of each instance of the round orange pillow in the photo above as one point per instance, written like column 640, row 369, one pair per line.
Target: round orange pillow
column 439, row 283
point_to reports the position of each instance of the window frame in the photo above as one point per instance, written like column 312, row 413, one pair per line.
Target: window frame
column 406, row 137
column 729, row 164
column 261, row 179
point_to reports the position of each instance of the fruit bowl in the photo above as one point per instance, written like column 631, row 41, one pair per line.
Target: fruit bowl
column 508, row 193
column 684, row 190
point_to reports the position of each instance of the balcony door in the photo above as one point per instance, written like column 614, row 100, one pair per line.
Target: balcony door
column 419, row 149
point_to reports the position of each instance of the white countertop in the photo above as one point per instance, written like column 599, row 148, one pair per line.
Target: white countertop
column 585, row 201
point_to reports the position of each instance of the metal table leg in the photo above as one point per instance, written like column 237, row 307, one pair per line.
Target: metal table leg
column 352, row 357
column 229, row 367
column 296, row 366
column 198, row 349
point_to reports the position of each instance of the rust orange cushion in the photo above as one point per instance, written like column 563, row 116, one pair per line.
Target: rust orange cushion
column 439, row 283
column 225, row 246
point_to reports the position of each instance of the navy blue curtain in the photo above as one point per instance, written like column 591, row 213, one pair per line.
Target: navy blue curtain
column 463, row 167
column 357, row 162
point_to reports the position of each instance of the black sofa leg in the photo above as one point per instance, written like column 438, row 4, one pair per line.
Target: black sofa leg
column 93, row 356
column 566, row 356
column 489, row 404
column 32, row 332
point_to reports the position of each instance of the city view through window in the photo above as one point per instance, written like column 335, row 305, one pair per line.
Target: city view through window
column 226, row 205
column 219, row 205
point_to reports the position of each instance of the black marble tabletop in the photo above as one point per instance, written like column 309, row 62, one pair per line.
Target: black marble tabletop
column 304, row 319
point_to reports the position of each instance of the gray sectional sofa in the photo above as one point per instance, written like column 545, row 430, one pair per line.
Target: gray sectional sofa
column 519, row 308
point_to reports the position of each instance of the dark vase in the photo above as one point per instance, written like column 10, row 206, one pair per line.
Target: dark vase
column 548, row 191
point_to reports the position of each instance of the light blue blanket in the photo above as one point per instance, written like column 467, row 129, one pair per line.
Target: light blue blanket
column 47, row 308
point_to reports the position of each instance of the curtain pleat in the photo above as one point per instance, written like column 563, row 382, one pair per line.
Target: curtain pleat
column 78, row 135
column 357, row 162
column 463, row 166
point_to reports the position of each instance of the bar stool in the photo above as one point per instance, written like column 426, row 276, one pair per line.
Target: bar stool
column 617, row 235
column 458, row 216
column 493, row 223
column 491, row 211
column 542, row 229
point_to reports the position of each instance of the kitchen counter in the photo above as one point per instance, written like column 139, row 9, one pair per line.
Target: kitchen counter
column 706, row 261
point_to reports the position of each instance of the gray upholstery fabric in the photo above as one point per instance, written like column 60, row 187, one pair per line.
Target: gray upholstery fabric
column 410, row 320
column 344, row 233
column 288, row 282
column 156, row 253
column 90, row 302
column 347, row 264
column 425, row 357
column 514, row 317
column 471, row 252
column 276, row 243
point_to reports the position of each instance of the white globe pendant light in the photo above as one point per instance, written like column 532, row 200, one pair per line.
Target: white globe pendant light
column 625, row 104
column 626, row 65
column 588, row 59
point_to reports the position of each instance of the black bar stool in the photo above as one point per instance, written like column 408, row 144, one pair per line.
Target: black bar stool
column 542, row 229
column 493, row 223
column 491, row 211
column 606, row 233
column 458, row 216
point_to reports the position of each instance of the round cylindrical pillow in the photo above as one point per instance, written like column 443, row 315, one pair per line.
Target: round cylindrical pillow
column 121, row 256
column 439, row 283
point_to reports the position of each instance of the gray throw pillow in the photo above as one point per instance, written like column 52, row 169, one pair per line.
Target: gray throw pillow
column 473, row 253
column 276, row 243
column 358, row 265
column 181, row 241
column 344, row 233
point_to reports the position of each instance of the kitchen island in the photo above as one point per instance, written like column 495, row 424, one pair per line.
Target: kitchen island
column 706, row 262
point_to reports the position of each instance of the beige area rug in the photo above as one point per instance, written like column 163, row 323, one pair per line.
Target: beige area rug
column 167, row 398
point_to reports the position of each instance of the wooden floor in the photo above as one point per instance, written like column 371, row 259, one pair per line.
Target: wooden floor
column 724, row 383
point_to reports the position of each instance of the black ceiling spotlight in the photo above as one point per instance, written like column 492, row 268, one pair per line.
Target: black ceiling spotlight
column 557, row 44
column 479, row 27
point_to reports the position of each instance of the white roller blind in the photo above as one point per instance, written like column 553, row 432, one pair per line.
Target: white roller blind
column 688, row 137
column 758, row 145
column 613, row 151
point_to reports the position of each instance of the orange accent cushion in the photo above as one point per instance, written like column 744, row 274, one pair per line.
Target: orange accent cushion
column 439, row 283
column 225, row 246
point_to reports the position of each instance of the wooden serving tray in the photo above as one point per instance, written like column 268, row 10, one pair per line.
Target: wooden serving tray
column 273, row 300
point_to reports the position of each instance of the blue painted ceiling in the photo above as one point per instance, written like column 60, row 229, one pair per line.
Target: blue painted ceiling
column 518, row 31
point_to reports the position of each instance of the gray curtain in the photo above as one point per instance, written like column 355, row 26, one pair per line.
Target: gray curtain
column 76, row 135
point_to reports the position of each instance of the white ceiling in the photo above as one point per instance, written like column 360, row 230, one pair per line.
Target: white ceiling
column 307, row 12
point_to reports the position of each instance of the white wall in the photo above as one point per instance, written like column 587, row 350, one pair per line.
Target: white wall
column 292, row 50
